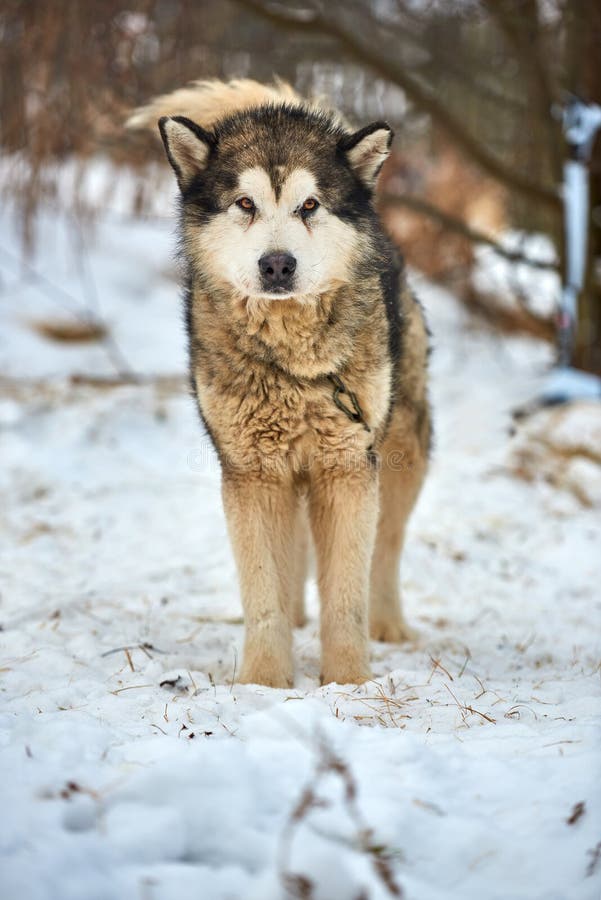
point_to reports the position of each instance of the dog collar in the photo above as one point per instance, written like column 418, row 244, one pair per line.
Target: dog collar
column 356, row 413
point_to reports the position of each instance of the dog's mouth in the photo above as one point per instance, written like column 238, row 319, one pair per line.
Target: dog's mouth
column 278, row 293
column 278, row 290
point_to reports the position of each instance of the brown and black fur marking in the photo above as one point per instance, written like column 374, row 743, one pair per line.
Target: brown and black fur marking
column 262, row 363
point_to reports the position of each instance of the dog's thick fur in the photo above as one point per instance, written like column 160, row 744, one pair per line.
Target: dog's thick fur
column 261, row 171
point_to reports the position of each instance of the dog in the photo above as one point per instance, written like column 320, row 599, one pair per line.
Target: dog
column 308, row 361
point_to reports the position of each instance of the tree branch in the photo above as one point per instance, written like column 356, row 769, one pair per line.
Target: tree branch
column 519, row 22
column 316, row 22
column 450, row 223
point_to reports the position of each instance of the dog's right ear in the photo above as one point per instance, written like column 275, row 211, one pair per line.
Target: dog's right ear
column 188, row 147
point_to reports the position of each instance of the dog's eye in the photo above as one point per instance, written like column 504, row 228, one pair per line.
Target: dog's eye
column 309, row 206
column 246, row 204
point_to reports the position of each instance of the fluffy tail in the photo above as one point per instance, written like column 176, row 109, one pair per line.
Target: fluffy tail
column 205, row 102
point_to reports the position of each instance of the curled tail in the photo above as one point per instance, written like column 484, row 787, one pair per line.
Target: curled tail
column 206, row 102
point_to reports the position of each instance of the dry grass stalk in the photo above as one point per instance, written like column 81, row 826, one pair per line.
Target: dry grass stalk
column 299, row 885
column 465, row 708
column 130, row 687
column 69, row 331
column 386, row 709
column 595, row 855
column 578, row 811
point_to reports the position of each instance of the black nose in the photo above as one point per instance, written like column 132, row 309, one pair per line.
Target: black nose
column 277, row 269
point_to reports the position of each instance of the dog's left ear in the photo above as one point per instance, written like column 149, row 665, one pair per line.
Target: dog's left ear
column 367, row 150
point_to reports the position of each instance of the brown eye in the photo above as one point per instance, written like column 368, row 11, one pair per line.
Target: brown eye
column 310, row 205
column 246, row 204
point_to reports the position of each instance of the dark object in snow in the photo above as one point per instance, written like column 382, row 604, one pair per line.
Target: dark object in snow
column 595, row 855
column 577, row 812
column 66, row 331
column 171, row 682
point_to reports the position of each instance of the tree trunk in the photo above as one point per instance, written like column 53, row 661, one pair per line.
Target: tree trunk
column 584, row 48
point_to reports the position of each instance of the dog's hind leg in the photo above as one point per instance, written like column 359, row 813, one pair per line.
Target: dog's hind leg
column 260, row 513
column 343, row 507
column 403, row 467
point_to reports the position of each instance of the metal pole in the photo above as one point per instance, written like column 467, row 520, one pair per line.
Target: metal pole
column 581, row 122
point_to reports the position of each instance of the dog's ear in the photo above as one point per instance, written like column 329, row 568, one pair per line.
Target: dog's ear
column 367, row 150
column 188, row 147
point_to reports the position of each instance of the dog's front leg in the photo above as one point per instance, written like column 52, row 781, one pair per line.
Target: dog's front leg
column 260, row 513
column 344, row 511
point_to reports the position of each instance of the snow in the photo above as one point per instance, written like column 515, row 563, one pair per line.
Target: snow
column 509, row 282
column 562, row 445
column 151, row 773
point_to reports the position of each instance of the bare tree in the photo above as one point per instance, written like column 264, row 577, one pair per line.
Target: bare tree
column 489, row 74
column 481, row 76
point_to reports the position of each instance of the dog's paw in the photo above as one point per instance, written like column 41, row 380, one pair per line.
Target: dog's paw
column 268, row 671
column 346, row 668
column 391, row 631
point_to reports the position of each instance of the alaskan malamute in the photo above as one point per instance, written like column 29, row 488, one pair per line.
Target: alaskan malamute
column 308, row 361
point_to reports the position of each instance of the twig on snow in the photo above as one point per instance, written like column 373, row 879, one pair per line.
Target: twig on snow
column 299, row 885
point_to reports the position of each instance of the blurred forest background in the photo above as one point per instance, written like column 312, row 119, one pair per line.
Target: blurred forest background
column 471, row 87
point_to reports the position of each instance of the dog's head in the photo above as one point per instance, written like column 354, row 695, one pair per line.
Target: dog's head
column 274, row 199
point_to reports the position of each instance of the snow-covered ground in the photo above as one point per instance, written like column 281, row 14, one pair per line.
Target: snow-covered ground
column 133, row 765
column 494, row 275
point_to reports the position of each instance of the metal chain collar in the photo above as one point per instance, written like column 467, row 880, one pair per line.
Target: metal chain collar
column 356, row 413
